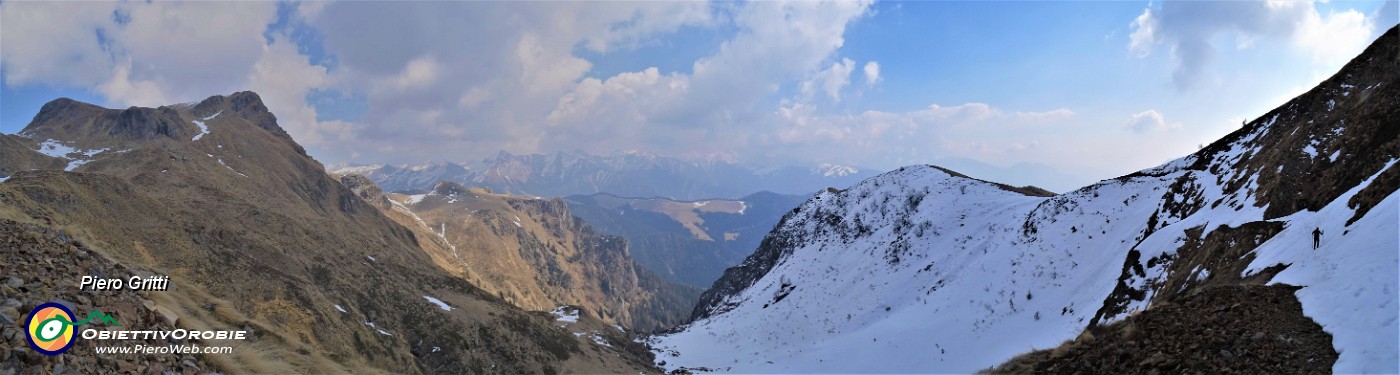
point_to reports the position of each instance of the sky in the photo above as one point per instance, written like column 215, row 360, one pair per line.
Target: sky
column 1062, row 93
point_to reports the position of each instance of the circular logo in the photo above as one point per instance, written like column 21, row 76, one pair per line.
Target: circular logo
column 50, row 328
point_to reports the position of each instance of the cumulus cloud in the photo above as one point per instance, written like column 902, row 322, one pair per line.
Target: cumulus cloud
column 55, row 43
column 457, row 80
column 134, row 53
column 500, row 76
column 1149, row 121
column 1334, row 39
column 282, row 77
column 1144, row 35
column 872, row 72
column 417, row 73
column 1189, row 28
column 830, row 81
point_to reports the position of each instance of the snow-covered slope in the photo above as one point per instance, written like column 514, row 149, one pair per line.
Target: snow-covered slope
column 920, row 270
column 924, row 270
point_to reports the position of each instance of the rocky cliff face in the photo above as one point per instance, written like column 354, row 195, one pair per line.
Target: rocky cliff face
column 255, row 235
column 535, row 254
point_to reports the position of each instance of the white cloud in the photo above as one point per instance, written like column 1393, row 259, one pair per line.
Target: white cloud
column 872, row 72
column 55, row 43
column 645, row 20
column 779, row 43
column 192, row 50
column 712, row 111
column 1149, row 121
column 134, row 53
column 1144, row 35
column 1336, row 38
column 504, row 75
column 474, row 98
column 1189, row 29
column 282, row 77
column 418, row 73
column 830, row 81
column 121, row 88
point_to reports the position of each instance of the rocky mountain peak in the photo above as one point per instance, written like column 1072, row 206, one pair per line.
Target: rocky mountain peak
column 244, row 103
column 449, row 188
column 70, row 119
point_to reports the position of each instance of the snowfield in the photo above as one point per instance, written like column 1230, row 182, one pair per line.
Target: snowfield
column 947, row 274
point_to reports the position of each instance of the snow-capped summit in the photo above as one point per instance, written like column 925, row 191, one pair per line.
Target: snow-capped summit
column 925, row 270
column 830, row 170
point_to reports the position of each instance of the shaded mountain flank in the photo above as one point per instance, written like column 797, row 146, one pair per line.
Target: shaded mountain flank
column 255, row 235
column 686, row 242
column 923, row 270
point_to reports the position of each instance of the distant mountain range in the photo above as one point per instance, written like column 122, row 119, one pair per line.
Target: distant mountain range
column 624, row 174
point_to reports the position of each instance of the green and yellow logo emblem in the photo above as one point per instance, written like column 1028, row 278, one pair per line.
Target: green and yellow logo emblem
column 51, row 327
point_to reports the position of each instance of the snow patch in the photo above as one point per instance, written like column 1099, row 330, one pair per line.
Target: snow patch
column 203, row 130
column 565, row 314
column 598, row 339
column 55, row 149
column 74, row 164
column 221, row 162
column 340, row 309
column 439, row 303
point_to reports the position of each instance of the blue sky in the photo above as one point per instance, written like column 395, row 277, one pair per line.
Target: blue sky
column 1078, row 91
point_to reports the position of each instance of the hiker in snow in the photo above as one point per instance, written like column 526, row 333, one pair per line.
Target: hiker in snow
column 1317, row 237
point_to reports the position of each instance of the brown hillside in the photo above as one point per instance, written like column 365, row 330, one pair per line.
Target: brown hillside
column 533, row 253
column 243, row 221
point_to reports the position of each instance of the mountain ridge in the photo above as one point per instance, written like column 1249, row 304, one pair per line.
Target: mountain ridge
column 900, row 252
